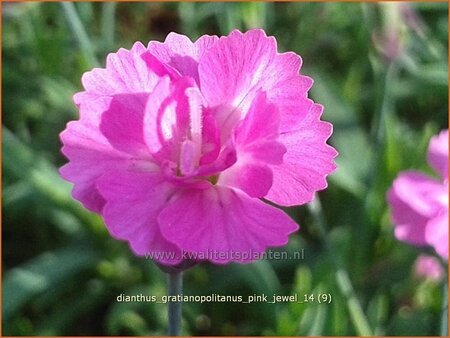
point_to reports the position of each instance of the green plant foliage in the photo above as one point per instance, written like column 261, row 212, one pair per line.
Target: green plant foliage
column 62, row 272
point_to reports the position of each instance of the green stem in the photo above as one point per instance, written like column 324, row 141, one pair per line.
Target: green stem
column 80, row 33
column 444, row 318
column 385, row 104
column 343, row 281
column 175, row 288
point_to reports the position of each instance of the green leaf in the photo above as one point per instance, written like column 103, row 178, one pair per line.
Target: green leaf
column 23, row 163
column 318, row 323
column 42, row 274
column 62, row 318
column 351, row 142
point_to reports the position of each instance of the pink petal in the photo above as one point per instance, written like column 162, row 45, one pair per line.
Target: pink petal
column 158, row 67
column 181, row 53
column 122, row 123
column 89, row 153
column 428, row 266
column 133, row 202
column 237, row 67
column 438, row 153
column 420, row 192
column 259, row 131
column 84, row 168
column 306, row 164
column 253, row 178
column 413, row 199
column 289, row 91
column 256, row 145
column 223, row 224
column 226, row 158
column 437, row 233
column 86, row 130
column 413, row 233
column 125, row 72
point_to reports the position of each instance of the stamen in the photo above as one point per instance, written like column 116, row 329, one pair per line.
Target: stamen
column 187, row 158
column 169, row 121
column 195, row 114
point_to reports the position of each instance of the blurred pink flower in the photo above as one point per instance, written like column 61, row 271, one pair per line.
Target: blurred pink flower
column 178, row 142
column 419, row 203
column 428, row 267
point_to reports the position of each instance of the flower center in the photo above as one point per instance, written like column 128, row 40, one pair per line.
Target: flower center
column 214, row 179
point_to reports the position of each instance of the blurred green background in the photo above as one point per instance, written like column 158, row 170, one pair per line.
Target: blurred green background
column 381, row 72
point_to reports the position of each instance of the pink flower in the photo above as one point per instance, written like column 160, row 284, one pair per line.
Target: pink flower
column 428, row 267
column 178, row 142
column 420, row 203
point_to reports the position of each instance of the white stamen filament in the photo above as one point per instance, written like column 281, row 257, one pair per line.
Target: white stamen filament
column 195, row 113
column 168, row 121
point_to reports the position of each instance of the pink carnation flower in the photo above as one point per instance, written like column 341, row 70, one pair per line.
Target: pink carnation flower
column 420, row 203
column 428, row 267
column 178, row 142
